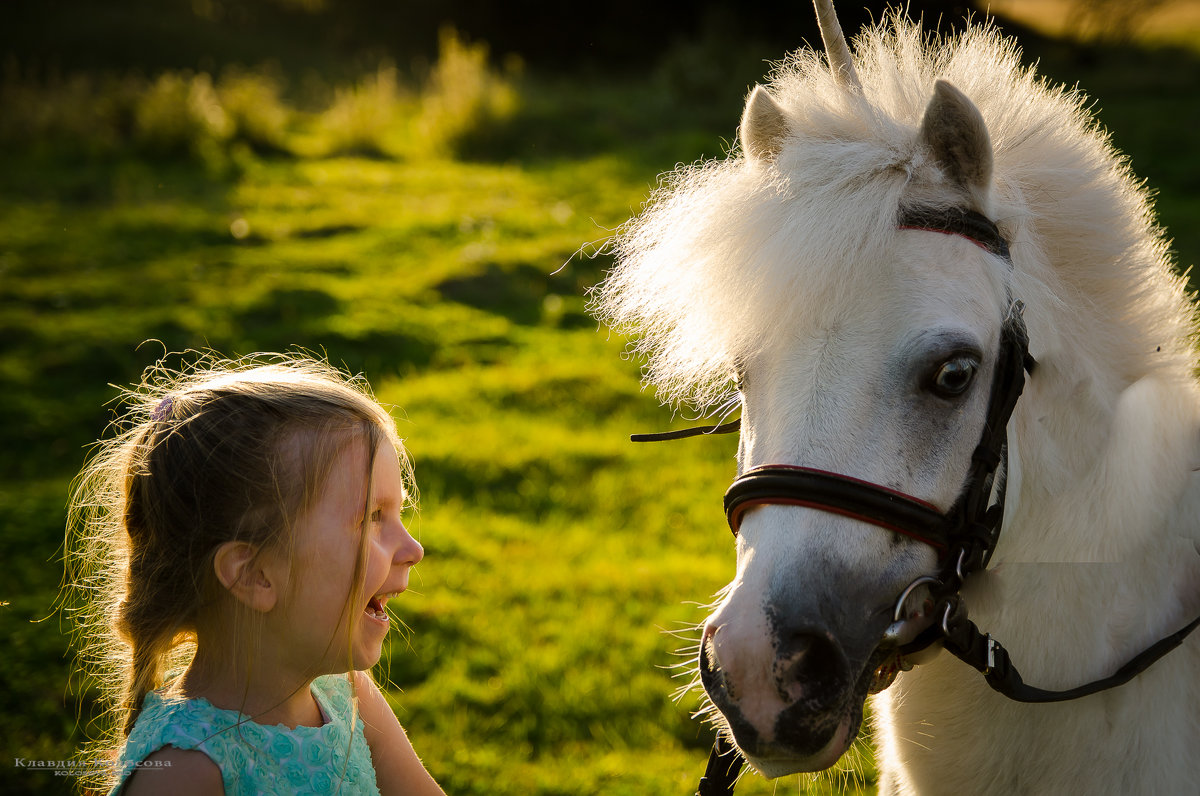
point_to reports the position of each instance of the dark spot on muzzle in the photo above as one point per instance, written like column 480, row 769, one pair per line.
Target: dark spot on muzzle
column 811, row 671
column 804, row 732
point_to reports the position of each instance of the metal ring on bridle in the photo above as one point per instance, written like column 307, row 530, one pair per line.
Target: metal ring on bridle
column 898, row 613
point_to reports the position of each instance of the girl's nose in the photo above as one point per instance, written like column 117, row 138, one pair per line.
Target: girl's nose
column 410, row 551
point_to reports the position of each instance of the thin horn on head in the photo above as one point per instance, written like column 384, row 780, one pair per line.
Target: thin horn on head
column 836, row 48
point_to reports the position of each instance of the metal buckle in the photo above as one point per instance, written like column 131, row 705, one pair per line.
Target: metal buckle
column 953, row 604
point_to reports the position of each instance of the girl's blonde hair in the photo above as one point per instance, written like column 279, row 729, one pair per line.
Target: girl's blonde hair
column 220, row 451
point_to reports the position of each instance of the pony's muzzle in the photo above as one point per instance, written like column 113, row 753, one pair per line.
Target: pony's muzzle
column 786, row 699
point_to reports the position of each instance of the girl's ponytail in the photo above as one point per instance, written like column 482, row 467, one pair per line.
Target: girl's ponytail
column 150, row 646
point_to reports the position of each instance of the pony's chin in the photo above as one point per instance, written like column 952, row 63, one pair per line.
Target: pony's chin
column 771, row 766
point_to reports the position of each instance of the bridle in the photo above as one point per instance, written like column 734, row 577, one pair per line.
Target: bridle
column 964, row 536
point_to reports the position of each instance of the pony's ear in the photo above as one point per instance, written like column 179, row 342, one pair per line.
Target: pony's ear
column 954, row 130
column 764, row 126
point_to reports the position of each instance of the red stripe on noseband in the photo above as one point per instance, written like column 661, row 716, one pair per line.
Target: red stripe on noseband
column 735, row 519
column 851, row 480
column 807, row 487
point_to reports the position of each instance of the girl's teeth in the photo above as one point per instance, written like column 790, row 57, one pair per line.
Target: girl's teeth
column 376, row 607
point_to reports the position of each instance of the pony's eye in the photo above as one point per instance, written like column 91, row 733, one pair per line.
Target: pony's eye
column 953, row 377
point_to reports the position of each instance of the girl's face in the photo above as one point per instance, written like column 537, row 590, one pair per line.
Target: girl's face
column 327, row 542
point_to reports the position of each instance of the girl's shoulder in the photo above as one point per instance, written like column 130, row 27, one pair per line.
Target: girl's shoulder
column 249, row 755
column 165, row 747
column 166, row 721
column 182, row 773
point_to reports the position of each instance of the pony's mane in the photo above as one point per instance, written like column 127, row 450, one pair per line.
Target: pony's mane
column 729, row 251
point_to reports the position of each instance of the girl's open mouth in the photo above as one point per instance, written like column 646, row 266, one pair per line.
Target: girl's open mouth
column 377, row 605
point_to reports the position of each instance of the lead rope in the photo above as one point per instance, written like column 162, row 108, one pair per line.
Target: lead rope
column 724, row 764
column 963, row 640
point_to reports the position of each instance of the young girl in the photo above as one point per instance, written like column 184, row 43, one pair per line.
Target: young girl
column 236, row 545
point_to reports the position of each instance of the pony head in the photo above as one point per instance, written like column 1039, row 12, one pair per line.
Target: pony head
column 885, row 378
column 855, row 345
column 781, row 277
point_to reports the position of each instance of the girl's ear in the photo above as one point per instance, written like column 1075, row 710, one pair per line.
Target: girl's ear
column 240, row 569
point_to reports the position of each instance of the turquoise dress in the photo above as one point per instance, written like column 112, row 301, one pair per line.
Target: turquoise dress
column 254, row 758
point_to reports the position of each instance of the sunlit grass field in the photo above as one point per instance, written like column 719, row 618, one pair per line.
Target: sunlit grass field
column 446, row 254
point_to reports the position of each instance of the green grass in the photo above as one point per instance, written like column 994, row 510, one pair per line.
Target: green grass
column 560, row 557
column 537, row 657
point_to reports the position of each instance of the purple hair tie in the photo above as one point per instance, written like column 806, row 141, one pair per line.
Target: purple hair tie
column 163, row 409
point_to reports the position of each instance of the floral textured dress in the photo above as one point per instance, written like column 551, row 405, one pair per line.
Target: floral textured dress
column 255, row 758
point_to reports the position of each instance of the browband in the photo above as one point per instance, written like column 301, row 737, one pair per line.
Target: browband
column 970, row 224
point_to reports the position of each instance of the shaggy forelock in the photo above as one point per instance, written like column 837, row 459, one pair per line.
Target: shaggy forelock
column 731, row 251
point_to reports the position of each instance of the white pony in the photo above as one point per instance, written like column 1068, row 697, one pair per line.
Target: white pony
column 865, row 349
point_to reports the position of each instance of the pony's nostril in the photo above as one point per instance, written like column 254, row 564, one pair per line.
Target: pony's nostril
column 709, row 676
column 812, row 667
column 706, row 664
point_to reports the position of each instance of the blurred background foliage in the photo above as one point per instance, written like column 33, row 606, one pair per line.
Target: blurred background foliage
column 422, row 191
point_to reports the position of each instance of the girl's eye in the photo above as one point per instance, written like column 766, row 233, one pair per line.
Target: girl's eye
column 952, row 378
